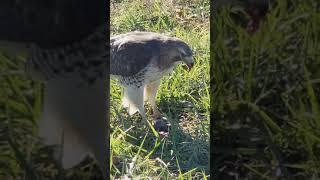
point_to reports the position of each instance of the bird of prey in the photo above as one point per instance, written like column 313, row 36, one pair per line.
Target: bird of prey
column 74, row 109
column 139, row 60
column 72, row 64
column 74, row 75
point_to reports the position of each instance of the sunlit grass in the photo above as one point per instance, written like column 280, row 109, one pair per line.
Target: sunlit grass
column 136, row 150
column 183, row 97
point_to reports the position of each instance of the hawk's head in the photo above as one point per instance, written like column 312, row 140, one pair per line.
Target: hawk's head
column 185, row 53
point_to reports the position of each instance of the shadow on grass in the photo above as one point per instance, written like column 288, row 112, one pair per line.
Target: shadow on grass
column 185, row 149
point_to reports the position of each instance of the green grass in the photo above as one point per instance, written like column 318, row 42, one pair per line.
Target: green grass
column 136, row 151
column 183, row 97
column 266, row 94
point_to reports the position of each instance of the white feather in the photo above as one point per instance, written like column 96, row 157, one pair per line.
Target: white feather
column 75, row 116
column 146, row 94
column 133, row 99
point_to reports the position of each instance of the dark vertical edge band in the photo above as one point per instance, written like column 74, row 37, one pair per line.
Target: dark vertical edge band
column 107, row 92
column 212, row 16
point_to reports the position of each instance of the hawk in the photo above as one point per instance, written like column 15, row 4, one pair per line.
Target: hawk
column 139, row 60
column 74, row 106
column 75, row 76
column 72, row 64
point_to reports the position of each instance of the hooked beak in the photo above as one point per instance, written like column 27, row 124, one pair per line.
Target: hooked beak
column 188, row 66
column 188, row 63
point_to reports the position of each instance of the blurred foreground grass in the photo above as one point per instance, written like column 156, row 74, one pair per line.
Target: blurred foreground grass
column 266, row 94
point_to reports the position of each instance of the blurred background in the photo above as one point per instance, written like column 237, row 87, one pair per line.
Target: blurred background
column 266, row 91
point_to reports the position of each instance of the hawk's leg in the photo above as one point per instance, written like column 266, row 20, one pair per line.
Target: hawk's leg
column 133, row 100
column 74, row 120
column 150, row 94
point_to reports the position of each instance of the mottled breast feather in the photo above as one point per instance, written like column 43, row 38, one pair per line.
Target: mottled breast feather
column 88, row 57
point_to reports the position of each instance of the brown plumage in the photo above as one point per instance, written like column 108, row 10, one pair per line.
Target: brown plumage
column 139, row 60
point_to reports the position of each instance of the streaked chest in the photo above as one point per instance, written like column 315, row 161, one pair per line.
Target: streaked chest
column 147, row 75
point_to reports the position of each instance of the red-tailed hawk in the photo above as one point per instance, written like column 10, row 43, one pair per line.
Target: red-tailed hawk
column 139, row 60
column 74, row 106
column 74, row 75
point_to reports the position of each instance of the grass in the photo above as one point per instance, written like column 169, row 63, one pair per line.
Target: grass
column 266, row 94
column 137, row 152
column 183, row 97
